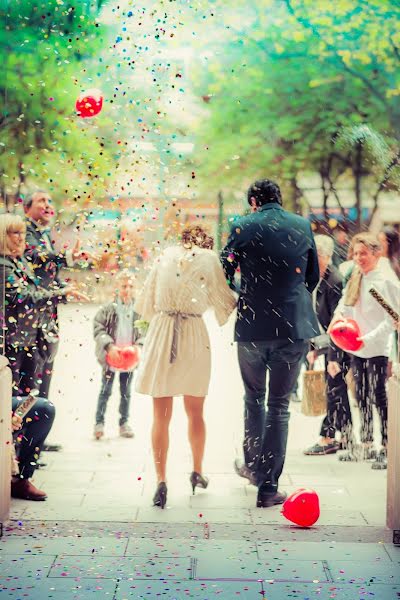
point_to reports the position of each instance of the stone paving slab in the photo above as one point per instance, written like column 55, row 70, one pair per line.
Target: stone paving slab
column 329, row 591
column 64, row 545
column 247, row 568
column 187, row 547
column 364, row 572
column 27, row 588
column 12, row 565
column 193, row 590
column 85, row 513
column 129, row 567
column 393, row 551
column 323, row 551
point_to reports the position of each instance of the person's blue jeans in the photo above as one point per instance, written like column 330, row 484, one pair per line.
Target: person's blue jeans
column 30, row 439
column 266, row 432
column 125, row 381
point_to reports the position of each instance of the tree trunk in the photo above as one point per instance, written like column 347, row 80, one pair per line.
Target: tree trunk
column 220, row 220
column 325, row 193
column 357, row 172
column 296, row 195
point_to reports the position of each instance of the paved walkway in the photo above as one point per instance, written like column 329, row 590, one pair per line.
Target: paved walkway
column 97, row 534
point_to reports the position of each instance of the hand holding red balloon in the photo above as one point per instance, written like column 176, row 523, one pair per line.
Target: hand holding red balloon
column 346, row 334
column 123, row 359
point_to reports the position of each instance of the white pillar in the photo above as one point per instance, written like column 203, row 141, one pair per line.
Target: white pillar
column 5, row 440
column 393, row 472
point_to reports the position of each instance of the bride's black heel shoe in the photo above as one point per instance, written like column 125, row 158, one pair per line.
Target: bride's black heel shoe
column 198, row 480
column 160, row 497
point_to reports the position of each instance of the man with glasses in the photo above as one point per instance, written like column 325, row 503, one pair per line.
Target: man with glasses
column 47, row 263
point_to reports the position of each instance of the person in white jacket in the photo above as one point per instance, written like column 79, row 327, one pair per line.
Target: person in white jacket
column 370, row 362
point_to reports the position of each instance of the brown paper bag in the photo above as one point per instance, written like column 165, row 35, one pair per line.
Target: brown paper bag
column 313, row 402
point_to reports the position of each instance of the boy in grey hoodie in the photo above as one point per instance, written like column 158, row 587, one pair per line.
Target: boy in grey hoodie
column 114, row 328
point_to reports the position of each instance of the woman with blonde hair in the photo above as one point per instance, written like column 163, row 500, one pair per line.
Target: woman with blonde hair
column 369, row 363
column 185, row 281
column 24, row 303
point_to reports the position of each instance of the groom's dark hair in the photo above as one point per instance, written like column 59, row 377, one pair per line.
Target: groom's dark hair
column 264, row 191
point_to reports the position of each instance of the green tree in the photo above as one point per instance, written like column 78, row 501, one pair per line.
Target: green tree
column 46, row 51
column 283, row 83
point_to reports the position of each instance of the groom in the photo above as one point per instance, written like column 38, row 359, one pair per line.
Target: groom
column 276, row 254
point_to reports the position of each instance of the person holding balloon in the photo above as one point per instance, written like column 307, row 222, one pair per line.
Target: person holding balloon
column 116, row 337
column 326, row 297
column 362, row 327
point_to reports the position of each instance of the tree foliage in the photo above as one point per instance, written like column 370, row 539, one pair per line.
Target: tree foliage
column 47, row 49
column 283, row 83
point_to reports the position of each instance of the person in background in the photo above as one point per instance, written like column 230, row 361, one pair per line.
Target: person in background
column 185, row 281
column 24, row 306
column 114, row 328
column 47, row 262
column 389, row 240
column 341, row 245
column 277, row 257
column 326, row 297
column 369, row 363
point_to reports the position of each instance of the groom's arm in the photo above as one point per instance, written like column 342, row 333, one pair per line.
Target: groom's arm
column 230, row 257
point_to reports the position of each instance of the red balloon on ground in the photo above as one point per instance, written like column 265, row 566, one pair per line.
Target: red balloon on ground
column 302, row 507
column 89, row 104
column 344, row 334
column 126, row 359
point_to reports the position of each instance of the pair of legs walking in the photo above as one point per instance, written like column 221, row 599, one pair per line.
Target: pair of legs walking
column 266, row 432
column 162, row 413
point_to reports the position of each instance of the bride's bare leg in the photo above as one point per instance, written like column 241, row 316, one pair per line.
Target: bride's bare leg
column 162, row 412
column 196, row 429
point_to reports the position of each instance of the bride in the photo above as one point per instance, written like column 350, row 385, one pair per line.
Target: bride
column 184, row 282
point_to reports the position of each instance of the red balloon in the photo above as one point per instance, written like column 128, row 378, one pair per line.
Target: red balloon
column 89, row 104
column 302, row 507
column 344, row 334
column 126, row 359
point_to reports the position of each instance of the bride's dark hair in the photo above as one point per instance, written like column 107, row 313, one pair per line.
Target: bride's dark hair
column 196, row 235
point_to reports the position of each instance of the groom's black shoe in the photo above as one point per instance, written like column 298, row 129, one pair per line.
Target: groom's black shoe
column 52, row 448
column 265, row 499
column 243, row 471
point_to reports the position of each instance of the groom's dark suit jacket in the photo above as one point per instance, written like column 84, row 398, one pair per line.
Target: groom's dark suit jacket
column 277, row 258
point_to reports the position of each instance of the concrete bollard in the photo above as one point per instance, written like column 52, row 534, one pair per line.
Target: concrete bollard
column 5, row 440
column 393, row 458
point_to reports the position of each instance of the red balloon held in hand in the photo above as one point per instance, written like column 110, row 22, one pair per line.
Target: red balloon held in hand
column 126, row 359
column 302, row 507
column 89, row 103
column 344, row 334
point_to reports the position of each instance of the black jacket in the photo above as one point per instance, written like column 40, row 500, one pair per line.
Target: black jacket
column 276, row 254
column 328, row 295
column 46, row 264
column 44, row 259
column 26, row 303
